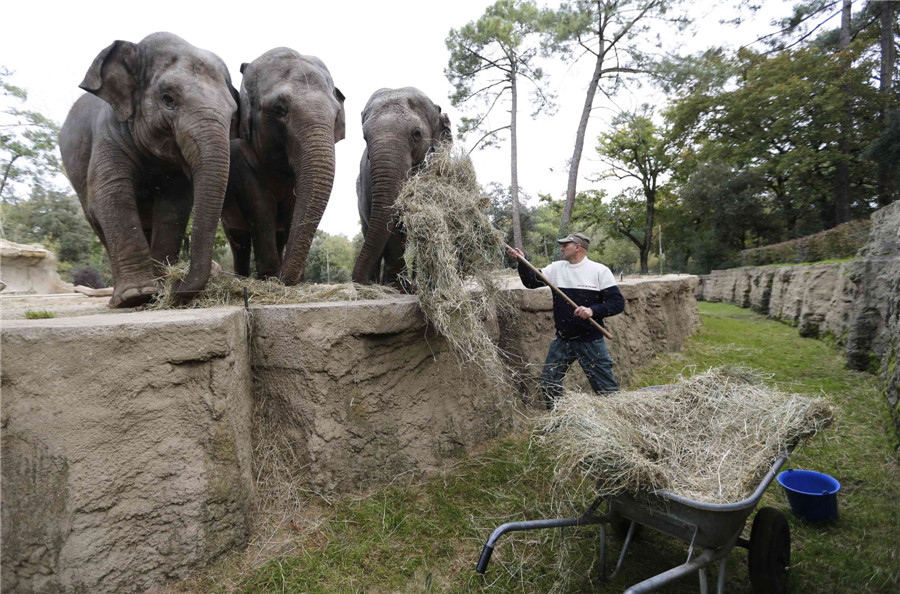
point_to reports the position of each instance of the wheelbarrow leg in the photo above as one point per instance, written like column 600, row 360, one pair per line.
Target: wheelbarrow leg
column 603, row 544
column 628, row 538
column 673, row 574
column 704, row 584
column 720, row 585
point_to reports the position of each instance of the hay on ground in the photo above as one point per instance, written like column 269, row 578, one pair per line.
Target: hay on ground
column 452, row 254
column 227, row 289
column 711, row 437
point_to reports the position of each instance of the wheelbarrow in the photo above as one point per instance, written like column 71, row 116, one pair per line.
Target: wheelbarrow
column 713, row 528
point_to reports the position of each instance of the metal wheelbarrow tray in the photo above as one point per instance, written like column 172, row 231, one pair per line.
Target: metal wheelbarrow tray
column 713, row 528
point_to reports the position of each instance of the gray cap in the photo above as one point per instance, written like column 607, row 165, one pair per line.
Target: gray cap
column 579, row 238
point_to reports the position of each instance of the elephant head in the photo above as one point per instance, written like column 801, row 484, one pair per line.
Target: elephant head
column 291, row 116
column 400, row 126
column 180, row 109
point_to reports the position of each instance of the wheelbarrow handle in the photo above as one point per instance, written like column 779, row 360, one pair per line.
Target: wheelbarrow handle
column 486, row 553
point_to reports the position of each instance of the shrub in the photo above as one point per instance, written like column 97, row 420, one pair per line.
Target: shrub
column 88, row 277
column 838, row 243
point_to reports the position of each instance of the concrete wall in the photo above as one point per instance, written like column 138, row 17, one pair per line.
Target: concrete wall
column 128, row 439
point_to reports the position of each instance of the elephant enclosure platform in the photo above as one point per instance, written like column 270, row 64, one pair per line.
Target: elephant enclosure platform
column 131, row 441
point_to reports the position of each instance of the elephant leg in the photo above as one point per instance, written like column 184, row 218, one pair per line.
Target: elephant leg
column 240, row 242
column 393, row 259
column 265, row 244
column 114, row 207
column 171, row 212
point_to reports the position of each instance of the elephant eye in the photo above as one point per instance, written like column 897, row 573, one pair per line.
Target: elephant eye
column 417, row 134
column 168, row 101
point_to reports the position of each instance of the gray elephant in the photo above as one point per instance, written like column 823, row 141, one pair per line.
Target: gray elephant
column 400, row 126
column 144, row 150
column 282, row 166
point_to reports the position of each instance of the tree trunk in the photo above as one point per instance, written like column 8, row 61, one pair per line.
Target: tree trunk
column 514, row 164
column 571, row 187
column 842, row 167
column 6, row 173
column 650, row 194
column 885, row 187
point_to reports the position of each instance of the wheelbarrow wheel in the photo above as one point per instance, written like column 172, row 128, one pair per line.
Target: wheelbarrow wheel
column 769, row 552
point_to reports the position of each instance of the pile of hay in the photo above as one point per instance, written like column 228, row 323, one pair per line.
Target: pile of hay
column 225, row 289
column 711, row 437
column 453, row 253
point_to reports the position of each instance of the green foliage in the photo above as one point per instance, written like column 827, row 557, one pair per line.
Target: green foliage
column 639, row 150
column 330, row 259
column 39, row 314
column 488, row 56
column 778, row 117
column 28, row 152
column 839, row 242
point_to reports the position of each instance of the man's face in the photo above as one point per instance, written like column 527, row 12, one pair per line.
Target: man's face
column 570, row 250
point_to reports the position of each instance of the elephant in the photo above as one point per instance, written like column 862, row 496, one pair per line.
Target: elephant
column 282, row 164
column 401, row 127
column 145, row 149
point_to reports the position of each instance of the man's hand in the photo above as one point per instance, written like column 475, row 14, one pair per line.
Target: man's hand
column 515, row 253
column 584, row 312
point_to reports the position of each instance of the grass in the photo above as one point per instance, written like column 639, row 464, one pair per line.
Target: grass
column 38, row 314
column 426, row 536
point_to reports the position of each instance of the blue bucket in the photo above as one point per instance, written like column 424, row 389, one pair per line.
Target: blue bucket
column 812, row 495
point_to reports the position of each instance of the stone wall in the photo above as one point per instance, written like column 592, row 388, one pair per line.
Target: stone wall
column 29, row 269
column 128, row 438
column 856, row 302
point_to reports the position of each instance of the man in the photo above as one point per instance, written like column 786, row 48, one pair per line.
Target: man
column 593, row 287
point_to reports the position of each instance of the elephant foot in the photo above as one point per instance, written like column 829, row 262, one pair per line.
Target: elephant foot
column 132, row 296
column 185, row 290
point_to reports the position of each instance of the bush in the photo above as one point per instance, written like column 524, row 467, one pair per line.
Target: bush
column 838, row 243
column 88, row 277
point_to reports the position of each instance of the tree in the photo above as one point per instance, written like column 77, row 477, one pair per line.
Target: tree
column 637, row 149
column 330, row 259
column 502, row 214
column 487, row 59
column 28, row 151
column 54, row 219
column 780, row 116
column 603, row 29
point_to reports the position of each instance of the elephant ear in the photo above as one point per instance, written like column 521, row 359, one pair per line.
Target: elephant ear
column 340, row 120
column 446, row 130
column 236, row 117
column 113, row 77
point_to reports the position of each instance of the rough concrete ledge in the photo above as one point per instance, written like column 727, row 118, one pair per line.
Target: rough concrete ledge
column 126, row 448
column 127, row 438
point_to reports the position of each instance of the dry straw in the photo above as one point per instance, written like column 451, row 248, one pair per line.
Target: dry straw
column 452, row 255
column 710, row 438
column 225, row 289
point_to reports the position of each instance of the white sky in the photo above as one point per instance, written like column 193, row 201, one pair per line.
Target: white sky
column 365, row 44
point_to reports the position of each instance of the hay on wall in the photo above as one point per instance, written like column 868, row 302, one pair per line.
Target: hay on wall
column 710, row 438
column 452, row 254
column 225, row 289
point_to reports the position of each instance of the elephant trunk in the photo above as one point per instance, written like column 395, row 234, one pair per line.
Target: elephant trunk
column 311, row 150
column 390, row 165
column 204, row 145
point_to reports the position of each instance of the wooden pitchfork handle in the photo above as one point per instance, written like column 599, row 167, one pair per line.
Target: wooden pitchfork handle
column 521, row 259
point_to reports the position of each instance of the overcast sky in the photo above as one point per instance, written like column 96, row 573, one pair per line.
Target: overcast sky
column 366, row 45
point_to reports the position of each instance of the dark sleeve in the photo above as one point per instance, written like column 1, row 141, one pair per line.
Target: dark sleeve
column 529, row 278
column 611, row 303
